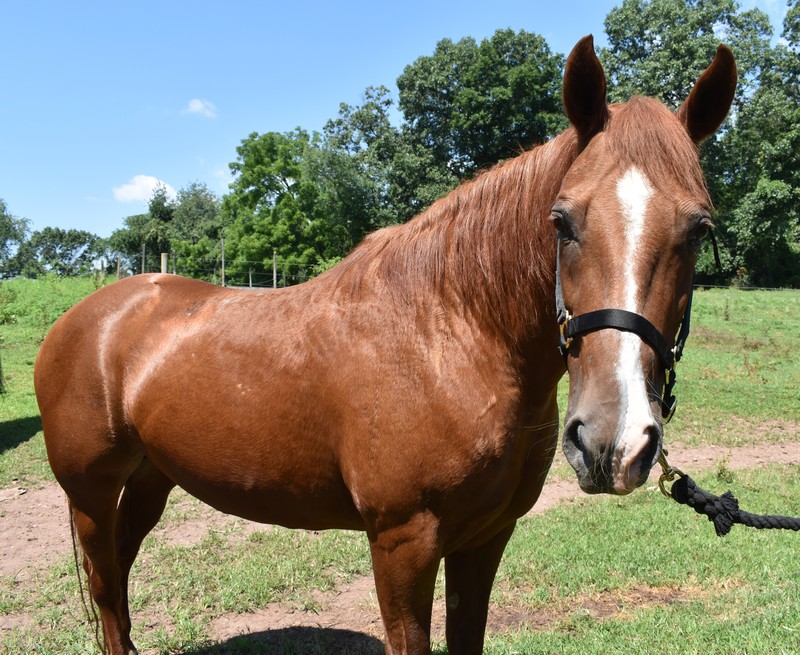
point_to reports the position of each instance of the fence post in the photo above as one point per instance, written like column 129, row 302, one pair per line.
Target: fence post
column 144, row 252
column 222, row 242
column 274, row 269
column 164, row 262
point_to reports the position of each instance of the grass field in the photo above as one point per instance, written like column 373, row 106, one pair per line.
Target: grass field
column 598, row 575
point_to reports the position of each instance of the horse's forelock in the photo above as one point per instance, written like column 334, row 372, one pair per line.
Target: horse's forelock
column 644, row 133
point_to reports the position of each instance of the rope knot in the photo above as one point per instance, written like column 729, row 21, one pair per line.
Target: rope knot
column 723, row 511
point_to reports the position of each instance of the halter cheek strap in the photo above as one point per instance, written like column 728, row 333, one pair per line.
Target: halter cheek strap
column 620, row 319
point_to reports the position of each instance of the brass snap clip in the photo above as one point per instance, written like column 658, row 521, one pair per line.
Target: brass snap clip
column 669, row 474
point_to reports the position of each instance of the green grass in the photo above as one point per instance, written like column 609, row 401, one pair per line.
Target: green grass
column 739, row 380
column 707, row 595
column 580, row 570
column 630, row 575
column 188, row 586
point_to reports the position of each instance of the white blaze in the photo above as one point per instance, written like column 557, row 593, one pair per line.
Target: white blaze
column 634, row 193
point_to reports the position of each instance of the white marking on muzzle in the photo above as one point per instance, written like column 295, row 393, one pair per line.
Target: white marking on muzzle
column 633, row 192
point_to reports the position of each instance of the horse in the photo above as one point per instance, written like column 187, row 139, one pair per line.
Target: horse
column 410, row 391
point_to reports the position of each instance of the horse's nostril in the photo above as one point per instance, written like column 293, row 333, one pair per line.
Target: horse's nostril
column 574, row 445
column 653, row 449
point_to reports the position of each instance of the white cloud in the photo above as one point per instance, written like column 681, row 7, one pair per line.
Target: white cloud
column 202, row 107
column 224, row 177
column 140, row 189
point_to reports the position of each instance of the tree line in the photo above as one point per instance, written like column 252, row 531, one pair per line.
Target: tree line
column 306, row 199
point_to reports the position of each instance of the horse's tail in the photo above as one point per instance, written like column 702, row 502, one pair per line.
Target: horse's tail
column 88, row 607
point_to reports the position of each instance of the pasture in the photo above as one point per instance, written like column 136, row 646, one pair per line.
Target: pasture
column 636, row 574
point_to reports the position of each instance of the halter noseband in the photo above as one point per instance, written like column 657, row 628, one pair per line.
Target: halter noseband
column 621, row 319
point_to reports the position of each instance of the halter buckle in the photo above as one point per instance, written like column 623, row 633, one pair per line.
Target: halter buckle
column 565, row 340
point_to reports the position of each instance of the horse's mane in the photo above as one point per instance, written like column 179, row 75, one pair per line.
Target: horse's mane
column 487, row 243
column 487, row 247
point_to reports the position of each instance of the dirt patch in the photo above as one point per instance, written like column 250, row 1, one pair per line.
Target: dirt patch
column 34, row 530
column 353, row 607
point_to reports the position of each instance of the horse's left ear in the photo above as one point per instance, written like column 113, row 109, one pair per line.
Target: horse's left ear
column 711, row 98
column 585, row 90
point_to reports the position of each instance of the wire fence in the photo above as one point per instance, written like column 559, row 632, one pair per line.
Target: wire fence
column 236, row 273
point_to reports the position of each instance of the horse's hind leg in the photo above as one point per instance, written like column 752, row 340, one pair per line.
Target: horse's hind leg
column 94, row 516
column 140, row 507
column 111, row 521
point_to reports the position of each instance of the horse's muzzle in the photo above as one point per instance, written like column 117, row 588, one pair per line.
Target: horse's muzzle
column 615, row 466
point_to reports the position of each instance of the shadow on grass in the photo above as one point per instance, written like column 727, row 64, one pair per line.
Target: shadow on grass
column 18, row 431
column 296, row 640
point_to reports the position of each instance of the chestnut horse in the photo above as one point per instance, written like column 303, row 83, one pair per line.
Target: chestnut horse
column 409, row 392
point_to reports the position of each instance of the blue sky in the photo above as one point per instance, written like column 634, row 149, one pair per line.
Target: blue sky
column 101, row 99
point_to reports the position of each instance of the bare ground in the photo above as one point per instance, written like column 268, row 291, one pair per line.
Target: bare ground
column 34, row 533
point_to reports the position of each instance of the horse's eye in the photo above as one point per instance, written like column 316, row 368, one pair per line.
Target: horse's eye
column 701, row 229
column 562, row 225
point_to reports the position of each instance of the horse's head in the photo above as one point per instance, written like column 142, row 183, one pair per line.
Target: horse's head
column 629, row 218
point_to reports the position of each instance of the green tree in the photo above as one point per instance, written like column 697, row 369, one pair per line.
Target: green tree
column 471, row 105
column 126, row 242
column 196, row 213
column 13, row 232
column 658, row 47
column 308, row 198
column 197, row 227
column 393, row 174
column 270, row 207
column 760, row 171
column 358, row 153
column 150, row 233
column 59, row 251
column 766, row 228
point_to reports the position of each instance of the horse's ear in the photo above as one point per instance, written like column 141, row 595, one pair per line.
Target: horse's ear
column 711, row 98
column 585, row 90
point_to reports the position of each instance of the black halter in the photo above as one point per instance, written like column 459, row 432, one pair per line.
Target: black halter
column 621, row 319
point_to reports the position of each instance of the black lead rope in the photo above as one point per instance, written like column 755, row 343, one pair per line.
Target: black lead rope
column 723, row 511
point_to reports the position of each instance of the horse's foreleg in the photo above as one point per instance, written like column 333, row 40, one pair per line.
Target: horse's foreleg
column 140, row 507
column 469, row 576
column 405, row 560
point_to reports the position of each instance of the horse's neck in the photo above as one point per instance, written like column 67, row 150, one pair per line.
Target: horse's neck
column 486, row 250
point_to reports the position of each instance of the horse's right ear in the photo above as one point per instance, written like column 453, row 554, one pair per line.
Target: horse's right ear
column 585, row 90
column 711, row 98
